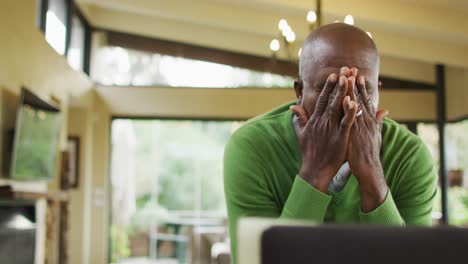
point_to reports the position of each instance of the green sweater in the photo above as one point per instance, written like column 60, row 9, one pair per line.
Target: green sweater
column 263, row 157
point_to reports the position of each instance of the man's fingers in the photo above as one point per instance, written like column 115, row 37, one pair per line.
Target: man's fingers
column 352, row 90
column 336, row 104
column 346, row 103
column 344, row 71
column 301, row 114
column 350, row 114
column 361, row 85
column 322, row 101
column 353, row 72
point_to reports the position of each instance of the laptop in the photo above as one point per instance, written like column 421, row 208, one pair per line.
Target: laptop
column 273, row 241
column 332, row 244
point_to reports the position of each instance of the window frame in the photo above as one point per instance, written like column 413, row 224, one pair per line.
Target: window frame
column 72, row 10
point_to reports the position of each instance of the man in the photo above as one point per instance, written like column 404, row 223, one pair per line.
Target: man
column 330, row 156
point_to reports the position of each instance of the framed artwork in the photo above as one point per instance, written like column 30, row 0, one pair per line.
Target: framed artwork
column 71, row 160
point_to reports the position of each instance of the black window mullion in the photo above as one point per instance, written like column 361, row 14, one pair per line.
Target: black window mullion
column 68, row 24
column 42, row 6
column 87, row 48
column 87, row 37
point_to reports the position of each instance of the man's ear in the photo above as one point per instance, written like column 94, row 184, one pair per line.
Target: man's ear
column 298, row 88
column 380, row 85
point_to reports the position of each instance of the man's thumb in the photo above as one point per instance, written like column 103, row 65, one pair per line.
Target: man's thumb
column 381, row 114
column 300, row 113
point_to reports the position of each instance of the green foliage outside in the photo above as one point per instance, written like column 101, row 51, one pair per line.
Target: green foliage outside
column 173, row 157
column 120, row 245
column 457, row 145
column 178, row 167
column 458, row 205
column 456, row 159
column 149, row 69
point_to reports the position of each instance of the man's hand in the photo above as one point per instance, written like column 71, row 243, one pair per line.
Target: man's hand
column 364, row 150
column 324, row 137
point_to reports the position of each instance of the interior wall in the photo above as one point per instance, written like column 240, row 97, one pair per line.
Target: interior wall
column 28, row 60
column 230, row 27
column 407, row 69
column 100, row 191
column 78, row 117
column 457, row 92
column 241, row 103
column 90, row 121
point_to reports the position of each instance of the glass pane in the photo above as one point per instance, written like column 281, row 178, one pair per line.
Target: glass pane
column 167, row 186
column 75, row 53
column 118, row 66
column 456, row 154
column 55, row 31
column 430, row 136
column 457, row 162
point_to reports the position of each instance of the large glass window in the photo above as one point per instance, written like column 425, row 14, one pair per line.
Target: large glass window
column 118, row 66
column 457, row 163
column 456, row 154
column 75, row 54
column 56, row 30
column 430, row 136
column 167, row 188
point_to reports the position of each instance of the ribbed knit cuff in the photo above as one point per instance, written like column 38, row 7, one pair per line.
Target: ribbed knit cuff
column 386, row 214
column 305, row 202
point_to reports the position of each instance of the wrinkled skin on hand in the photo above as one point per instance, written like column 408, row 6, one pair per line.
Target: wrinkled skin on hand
column 334, row 134
column 324, row 137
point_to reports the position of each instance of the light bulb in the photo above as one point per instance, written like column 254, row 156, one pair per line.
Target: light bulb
column 286, row 31
column 311, row 17
column 291, row 37
column 282, row 24
column 349, row 19
column 369, row 34
column 274, row 45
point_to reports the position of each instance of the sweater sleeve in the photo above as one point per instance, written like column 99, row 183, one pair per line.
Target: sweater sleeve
column 412, row 198
column 387, row 213
column 247, row 192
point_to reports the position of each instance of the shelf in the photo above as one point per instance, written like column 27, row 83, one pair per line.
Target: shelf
column 56, row 196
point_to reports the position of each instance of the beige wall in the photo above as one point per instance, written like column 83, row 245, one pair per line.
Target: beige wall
column 407, row 69
column 89, row 217
column 241, row 103
column 407, row 31
column 98, row 235
column 78, row 126
column 457, row 92
column 27, row 60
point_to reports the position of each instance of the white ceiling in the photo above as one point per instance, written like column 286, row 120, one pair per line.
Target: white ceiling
column 430, row 31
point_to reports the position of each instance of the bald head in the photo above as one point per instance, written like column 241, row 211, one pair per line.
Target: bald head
column 337, row 43
column 329, row 48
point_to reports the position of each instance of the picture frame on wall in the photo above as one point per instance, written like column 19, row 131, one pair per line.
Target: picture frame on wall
column 71, row 177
